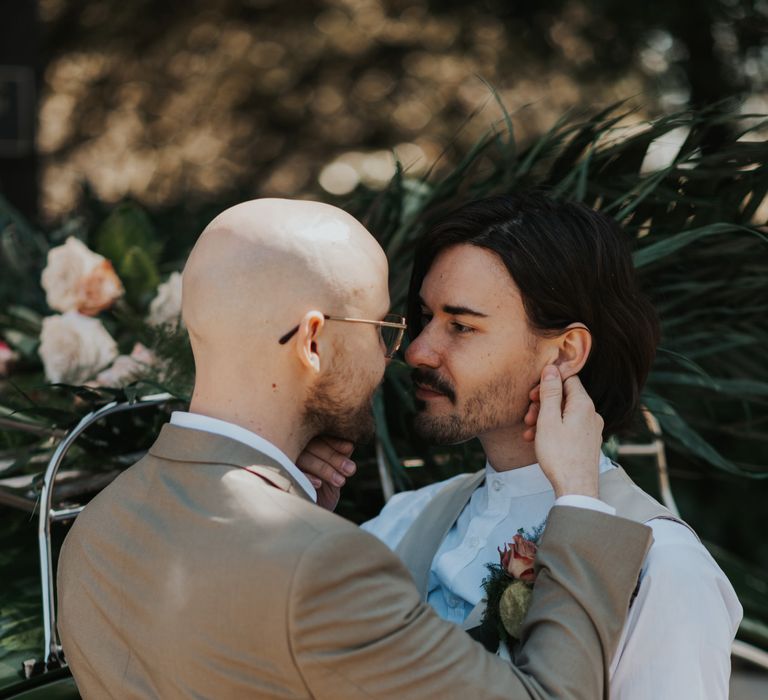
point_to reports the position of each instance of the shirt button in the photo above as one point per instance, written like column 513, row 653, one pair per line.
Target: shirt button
column 452, row 601
column 473, row 542
column 497, row 485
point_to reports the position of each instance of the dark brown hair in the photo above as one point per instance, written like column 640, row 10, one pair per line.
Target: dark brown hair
column 571, row 263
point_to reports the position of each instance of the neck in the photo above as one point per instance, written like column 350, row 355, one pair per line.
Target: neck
column 505, row 449
column 267, row 416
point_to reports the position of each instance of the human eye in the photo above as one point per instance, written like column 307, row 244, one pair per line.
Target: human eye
column 425, row 317
column 461, row 329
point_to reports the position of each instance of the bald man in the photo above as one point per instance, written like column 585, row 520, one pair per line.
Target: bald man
column 206, row 570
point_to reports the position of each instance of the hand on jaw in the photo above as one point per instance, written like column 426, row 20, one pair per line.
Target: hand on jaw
column 326, row 463
column 568, row 435
column 561, row 420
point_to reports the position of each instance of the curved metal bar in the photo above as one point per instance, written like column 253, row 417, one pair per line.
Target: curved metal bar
column 665, row 487
column 750, row 653
column 52, row 652
column 739, row 649
column 385, row 478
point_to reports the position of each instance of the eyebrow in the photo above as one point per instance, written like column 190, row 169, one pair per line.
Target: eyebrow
column 458, row 310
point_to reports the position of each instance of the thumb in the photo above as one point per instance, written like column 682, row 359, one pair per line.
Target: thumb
column 551, row 395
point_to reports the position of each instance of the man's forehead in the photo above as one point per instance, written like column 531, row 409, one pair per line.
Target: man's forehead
column 467, row 276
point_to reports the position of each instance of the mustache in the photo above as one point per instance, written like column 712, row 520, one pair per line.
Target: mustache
column 430, row 379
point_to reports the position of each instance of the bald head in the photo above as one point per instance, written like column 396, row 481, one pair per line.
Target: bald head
column 261, row 269
column 260, row 265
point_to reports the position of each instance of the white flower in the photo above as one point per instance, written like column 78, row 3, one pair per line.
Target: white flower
column 166, row 306
column 74, row 347
column 127, row 368
column 77, row 279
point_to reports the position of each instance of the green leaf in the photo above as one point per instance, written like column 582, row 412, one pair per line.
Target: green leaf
column 140, row 276
column 672, row 244
column 126, row 228
column 674, row 426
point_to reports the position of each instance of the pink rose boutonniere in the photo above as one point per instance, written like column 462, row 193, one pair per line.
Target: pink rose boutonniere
column 509, row 585
column 517, row 559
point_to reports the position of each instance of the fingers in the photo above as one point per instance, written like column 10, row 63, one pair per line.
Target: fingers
column 576, row 396
column 574, row 388
column 551, row 396
column 325, row 460
column 532, row 414
column 318, row 470
column 530, row 419
column 344, row 447
column 334, row 452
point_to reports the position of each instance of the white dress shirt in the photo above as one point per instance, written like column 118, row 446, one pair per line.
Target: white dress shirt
column 196, row 421
column 677, row 640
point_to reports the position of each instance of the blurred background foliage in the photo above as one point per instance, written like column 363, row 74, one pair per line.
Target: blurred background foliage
column 196, row 101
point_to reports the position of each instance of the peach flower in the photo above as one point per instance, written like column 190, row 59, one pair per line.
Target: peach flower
column 77, row 279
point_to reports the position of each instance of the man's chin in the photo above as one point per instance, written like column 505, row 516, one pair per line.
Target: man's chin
column 440, row 430
column 364, row 437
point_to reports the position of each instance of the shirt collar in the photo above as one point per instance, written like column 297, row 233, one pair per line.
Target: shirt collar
column 525, row 481
column 197, row 421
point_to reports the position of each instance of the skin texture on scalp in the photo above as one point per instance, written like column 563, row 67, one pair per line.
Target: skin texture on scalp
column 259, row 269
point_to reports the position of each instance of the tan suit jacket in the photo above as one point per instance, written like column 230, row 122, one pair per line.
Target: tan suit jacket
column 191, row 577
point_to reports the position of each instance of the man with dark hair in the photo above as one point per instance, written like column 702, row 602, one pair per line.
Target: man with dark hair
column 572, row 268
column 500, row 288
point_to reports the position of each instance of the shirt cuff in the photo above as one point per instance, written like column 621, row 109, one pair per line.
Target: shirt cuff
column 585, row 502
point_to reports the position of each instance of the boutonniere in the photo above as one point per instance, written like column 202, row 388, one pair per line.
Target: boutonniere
column 509, row 585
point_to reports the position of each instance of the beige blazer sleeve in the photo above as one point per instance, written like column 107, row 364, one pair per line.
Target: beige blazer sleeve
column 358, row 629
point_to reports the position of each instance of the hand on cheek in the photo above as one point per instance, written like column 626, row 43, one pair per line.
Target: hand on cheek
column 532, row 415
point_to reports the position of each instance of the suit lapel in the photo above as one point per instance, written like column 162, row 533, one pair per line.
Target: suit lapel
column 418, row 547
column 200, row 447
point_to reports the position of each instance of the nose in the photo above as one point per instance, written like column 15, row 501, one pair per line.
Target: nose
column 421, row 352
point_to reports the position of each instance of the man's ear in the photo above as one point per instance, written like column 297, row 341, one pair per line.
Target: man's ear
column 307, row 340
column 573, row 346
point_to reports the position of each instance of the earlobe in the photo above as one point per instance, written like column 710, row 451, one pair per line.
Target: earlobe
column 307, row 340
column 574, row 346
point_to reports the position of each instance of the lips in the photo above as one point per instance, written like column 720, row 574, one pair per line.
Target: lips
column 429, row 385
column 426, row 393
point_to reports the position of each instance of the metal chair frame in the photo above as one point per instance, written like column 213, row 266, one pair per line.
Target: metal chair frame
column 657, row 450
column 52, row 654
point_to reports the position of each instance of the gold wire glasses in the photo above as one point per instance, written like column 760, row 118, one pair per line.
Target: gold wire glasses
column 392, row 328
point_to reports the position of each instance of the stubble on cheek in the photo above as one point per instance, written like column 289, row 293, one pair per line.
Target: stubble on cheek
column 501, row 403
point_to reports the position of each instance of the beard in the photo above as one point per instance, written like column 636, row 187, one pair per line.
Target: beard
column 332, row 410
column 500, row 403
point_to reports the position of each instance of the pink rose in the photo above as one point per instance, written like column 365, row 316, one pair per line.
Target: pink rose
column 7, row 358
column 517, row 559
